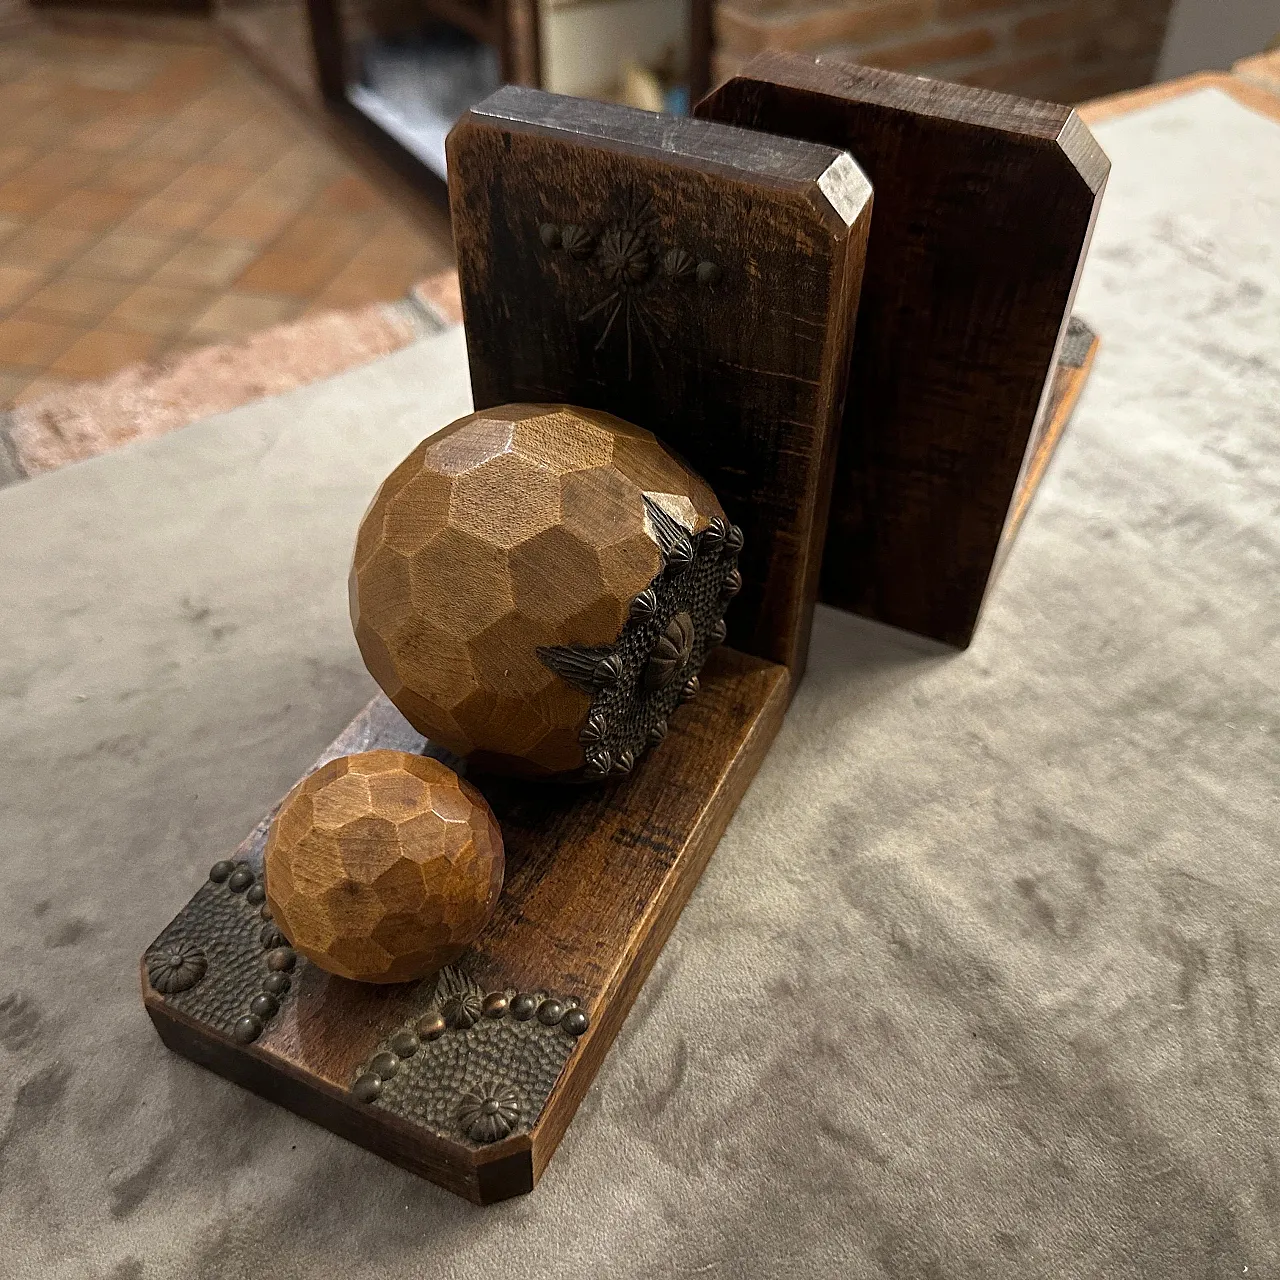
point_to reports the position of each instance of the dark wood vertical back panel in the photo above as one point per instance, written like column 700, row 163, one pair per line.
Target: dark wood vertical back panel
column 984, row 208
column 696, row 279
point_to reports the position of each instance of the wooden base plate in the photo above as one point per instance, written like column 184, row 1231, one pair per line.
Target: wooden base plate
column 596, row 878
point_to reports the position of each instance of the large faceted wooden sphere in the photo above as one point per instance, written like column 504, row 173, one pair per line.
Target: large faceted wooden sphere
column 383, row 866
column 514, row 535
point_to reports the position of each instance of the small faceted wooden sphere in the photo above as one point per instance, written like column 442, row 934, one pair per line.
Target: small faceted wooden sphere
column 536, row 587
column 383, row 866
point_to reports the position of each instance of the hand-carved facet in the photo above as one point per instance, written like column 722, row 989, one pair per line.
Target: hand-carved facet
column 514, row 575
column 382, row 867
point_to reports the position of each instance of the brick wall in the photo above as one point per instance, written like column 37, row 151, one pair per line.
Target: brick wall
column 1063, row 50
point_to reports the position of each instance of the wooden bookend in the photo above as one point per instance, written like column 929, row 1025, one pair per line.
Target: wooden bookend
column 984, row 207
column 698, row 280
column 694, row 279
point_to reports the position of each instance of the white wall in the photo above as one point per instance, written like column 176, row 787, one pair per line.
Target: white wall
column 584, row 45
column 1208, row 35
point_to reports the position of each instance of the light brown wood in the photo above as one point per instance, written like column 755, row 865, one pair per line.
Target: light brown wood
column 1247, row 94
column 383, row 866
column 512, row 530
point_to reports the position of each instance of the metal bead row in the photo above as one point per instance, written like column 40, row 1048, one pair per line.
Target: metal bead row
column 459, row 1013
column 280, row 956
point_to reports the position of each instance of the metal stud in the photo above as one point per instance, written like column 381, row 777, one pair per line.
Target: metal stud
column 731, row 585
column 367, row 1088
column 733, row 539
column 594, row 730
column 598, row 764
column 550, row 1012
column 277, row 983
column 282, row 959
column 575, row 1022
column 271, row 937
column 265, row 913
column 432, row 1027
column 679, row 556
column 247, row 1029
column 495, row 1005
column 624, row 763
column 717, row 633
column 657, row 731
column 607, row 671
column 644, row 606
column 255, row 894
column 690, row 690
column 549, row 234
column 404, row 1044
column 523, row 1007
column 221, row 870
column 463, row 1010
column 708, row 273
column 241, row 879
column 712, row 538
column 264, row 1005
column 384, row 1065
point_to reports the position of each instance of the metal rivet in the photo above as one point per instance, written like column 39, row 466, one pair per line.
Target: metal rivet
column 221, row 870
column 495, row 1005
column 708, row 273
column 731, row 585
column 367, row 1088
column 599, row 762
column 265, row 913
column 241, row 879
column 247, row 1029
column 574, row 1022
column 550, row 1012
column 523, row 1007
column 644, row 606
column 549, row 233
column 432, row 1027
column 282, row 959
column 405, row 1044
column 594, row 730
column 256, row 894
column 733, row 539
column 607, row 671
column 384, row 1065
column 718, row 633
column 657, row 731
column 690, row 690
column 276, row 983
column 624, row 763
column 271, row 937
column 264, row 1006
column 712, row 537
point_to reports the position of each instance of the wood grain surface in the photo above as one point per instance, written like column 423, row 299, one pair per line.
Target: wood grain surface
column 513, row 529
column 596, row 878
column 697, row 280
column 382, row 866
column 983, row 211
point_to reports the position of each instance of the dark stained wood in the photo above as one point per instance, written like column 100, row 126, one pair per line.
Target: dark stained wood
column 596, row 878
column 984, row 207
column 739, row 364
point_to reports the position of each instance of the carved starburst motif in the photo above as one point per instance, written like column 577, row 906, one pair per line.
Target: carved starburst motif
column 625, row 252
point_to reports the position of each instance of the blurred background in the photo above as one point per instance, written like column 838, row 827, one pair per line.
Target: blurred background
column 221, row 190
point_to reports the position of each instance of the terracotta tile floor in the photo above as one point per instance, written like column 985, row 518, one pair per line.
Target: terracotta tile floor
column 156, row 196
